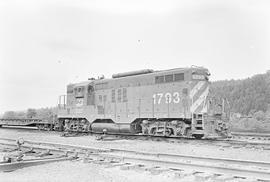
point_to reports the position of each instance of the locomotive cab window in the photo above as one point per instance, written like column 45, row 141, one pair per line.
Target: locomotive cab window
column 69, row 89
column 79, row 92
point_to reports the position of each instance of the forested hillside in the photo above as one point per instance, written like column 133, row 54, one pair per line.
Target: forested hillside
column 247, row 96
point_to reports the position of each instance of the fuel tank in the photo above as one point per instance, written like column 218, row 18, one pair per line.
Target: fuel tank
column 111, row 127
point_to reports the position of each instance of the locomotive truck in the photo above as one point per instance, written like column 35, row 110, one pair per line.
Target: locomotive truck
column 173, row 102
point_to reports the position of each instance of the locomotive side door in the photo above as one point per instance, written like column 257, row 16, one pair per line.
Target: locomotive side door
column 90, row 95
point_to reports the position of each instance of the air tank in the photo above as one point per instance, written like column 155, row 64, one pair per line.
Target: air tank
column 111, row 127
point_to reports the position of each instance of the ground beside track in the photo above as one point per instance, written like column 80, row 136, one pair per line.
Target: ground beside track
column 71, row 171
column 185, row 147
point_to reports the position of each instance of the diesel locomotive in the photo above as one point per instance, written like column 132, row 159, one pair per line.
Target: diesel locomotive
column 173, row 102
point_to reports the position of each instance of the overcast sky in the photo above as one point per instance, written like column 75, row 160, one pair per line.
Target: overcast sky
column 46, row 44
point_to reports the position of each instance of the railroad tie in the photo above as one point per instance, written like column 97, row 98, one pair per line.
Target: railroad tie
column 116, row 164
column 184, row 173
column 203, row 176
column 130, row 167
column 157, row 170
column 223, row 178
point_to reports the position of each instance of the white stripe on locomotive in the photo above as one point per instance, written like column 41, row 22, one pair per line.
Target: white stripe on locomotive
column 196, row 88
column 200, row 100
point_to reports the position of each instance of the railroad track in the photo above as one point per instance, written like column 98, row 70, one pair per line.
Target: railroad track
column 237, row 141
column 251, row 136
column 226, row 143
column 235, row 135
column 201, row 167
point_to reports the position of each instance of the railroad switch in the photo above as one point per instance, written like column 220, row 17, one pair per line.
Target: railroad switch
column 19, row 143
column 43, row 154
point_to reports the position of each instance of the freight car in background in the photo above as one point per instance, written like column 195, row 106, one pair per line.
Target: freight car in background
column 173, row 102
column 41, row 124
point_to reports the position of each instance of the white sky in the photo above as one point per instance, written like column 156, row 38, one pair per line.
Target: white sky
column 46, row 44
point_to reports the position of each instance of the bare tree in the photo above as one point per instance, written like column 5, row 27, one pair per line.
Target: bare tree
column 31, row 113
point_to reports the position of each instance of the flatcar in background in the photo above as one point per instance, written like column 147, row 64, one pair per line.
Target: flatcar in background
column 27, row 122
column 173, row 102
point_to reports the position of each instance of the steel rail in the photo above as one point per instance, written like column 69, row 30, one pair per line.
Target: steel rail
column 251, row 134
column 234, row 171
column 265, row 145
column 56, row 146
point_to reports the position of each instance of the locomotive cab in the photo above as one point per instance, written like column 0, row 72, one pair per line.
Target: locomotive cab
column 72, row 108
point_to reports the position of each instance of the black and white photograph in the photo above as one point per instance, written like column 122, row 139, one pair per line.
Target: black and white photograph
column 135, row 90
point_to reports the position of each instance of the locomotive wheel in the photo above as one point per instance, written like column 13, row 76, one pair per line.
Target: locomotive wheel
column 145, row 131
column 181, row 129
column 168, row 132
column 46, row 127
column 72, row 127
column 156, row 132
column 153, row 131
column 75, row 128
column 41, row 127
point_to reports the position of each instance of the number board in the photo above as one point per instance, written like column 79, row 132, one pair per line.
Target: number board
column 198, row 77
